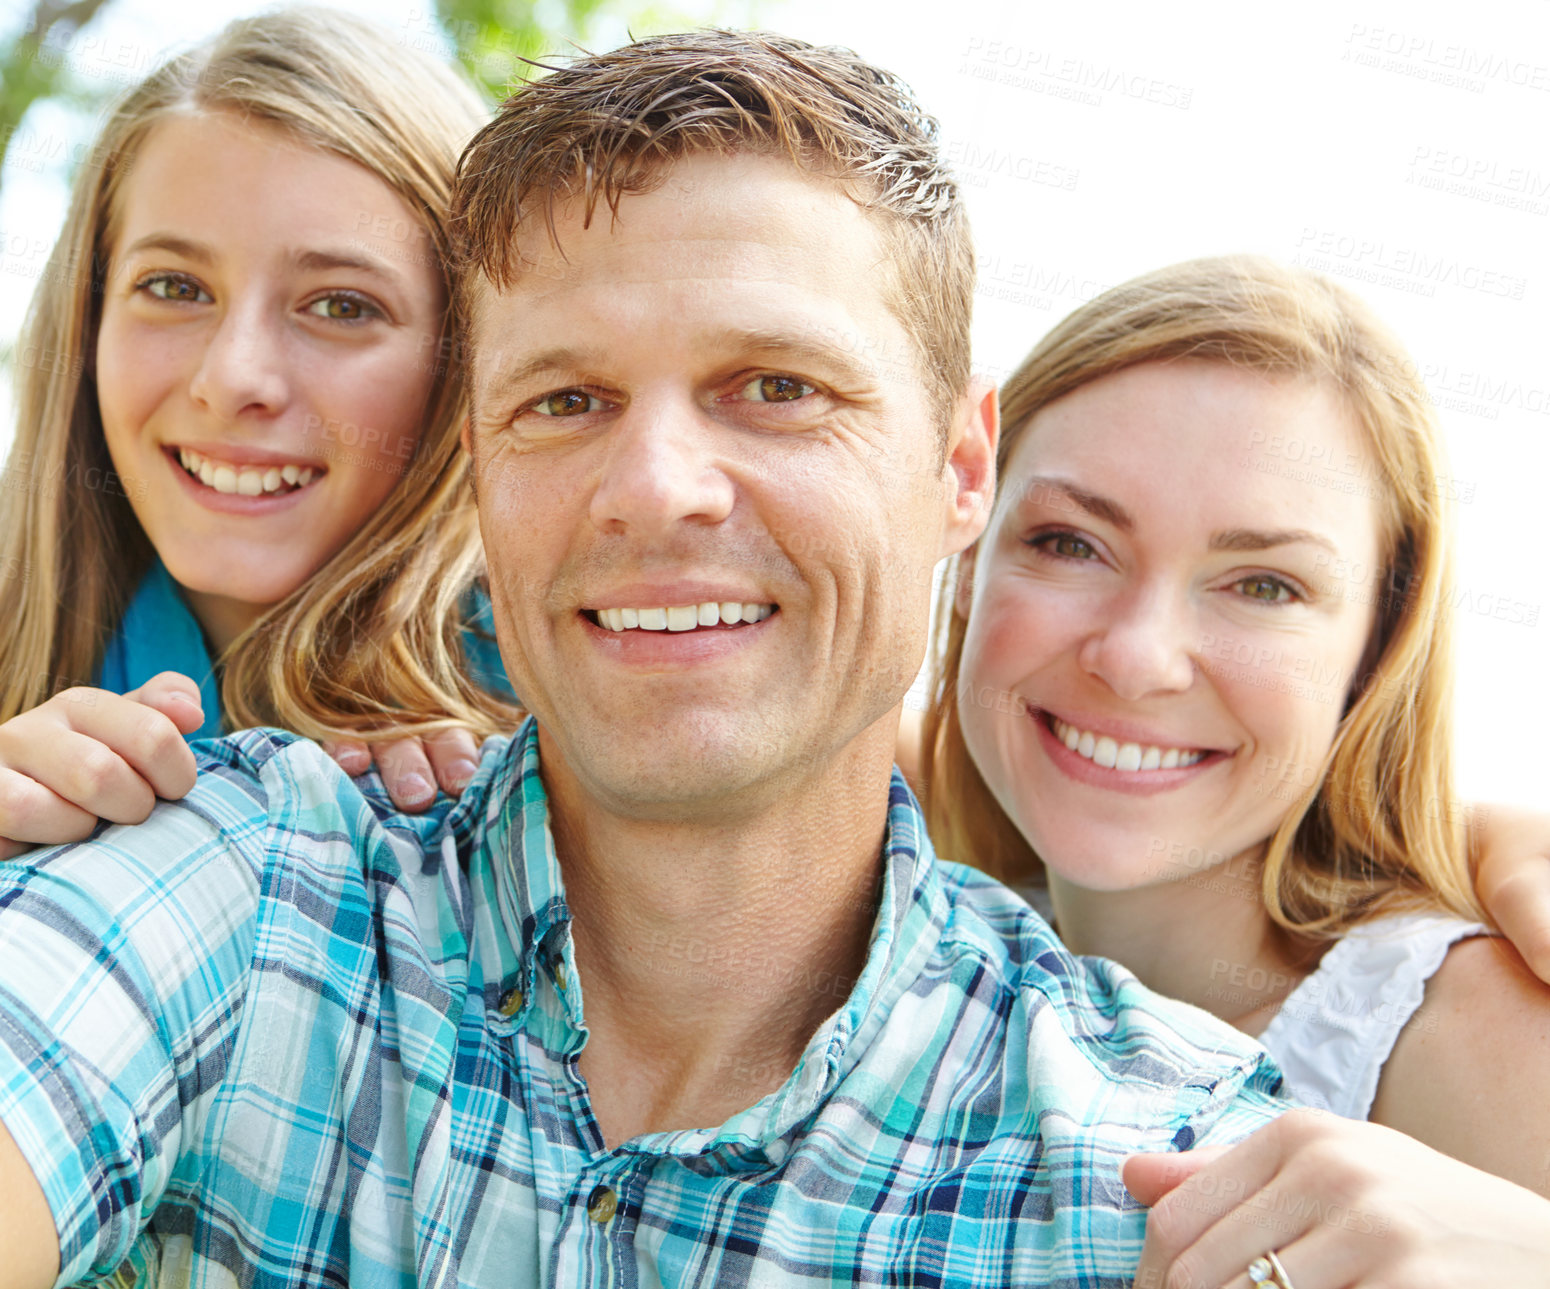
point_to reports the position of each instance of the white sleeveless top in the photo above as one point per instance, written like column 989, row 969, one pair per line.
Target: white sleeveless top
column 1336, row 1029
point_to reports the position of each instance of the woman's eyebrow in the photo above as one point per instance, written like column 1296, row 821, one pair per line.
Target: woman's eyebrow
column 1254, row 539
column 184, row 246
column 1098, row 506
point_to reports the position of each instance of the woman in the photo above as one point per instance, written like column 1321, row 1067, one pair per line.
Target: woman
column 247, row 447
column 1196, row 676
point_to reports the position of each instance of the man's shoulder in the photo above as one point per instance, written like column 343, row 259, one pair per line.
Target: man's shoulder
column 1089, row 1019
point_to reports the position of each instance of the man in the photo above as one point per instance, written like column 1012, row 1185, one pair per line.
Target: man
column 677, row 992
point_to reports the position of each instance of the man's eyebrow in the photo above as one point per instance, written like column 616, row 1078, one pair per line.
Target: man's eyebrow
column 1094, row 504
column 1257, row 539
column 795, row 347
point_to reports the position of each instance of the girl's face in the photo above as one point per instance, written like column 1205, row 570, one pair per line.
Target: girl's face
column 1166, row 615
column 270, row 330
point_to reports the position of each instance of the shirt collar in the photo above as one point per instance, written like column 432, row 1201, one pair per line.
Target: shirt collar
column 911, row 912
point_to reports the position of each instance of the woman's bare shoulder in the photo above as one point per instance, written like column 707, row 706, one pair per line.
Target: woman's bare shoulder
column 1470, row 1074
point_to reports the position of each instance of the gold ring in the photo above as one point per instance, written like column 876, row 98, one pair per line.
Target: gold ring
column 1267, row 1270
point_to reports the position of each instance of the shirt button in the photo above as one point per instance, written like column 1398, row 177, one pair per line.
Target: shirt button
column 510, row 1003
column 602, row 1204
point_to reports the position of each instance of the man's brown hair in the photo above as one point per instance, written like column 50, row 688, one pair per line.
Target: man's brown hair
column 607, row 125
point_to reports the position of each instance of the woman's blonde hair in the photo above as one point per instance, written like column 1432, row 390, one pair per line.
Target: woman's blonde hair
column 373, row 637
column 1378, row 830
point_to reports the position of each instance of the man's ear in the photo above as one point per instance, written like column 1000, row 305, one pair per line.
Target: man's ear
column 971, row 458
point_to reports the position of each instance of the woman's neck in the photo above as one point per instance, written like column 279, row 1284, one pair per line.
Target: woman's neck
column 1205, row 939
column 221, row 619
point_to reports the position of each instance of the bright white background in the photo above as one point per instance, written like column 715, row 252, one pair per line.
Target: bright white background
column 1403, row 148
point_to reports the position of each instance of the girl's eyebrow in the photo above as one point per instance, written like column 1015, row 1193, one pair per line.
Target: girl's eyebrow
column 184, row 246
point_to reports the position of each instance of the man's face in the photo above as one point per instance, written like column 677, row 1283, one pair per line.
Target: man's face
column 701, row 410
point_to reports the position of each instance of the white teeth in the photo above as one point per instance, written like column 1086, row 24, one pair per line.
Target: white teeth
column 684, row 617
column 1102, row 750
column 243, row 481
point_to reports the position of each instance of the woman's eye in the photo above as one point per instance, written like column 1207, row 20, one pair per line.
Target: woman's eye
column 1064, row 546
column 776, row 389
column 1267, row 590
column 182, row 290
column 343, row 308
column 568, row 402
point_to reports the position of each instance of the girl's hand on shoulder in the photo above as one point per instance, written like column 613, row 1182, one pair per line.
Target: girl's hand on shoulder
column 413, row 768
column 1343, row 1205
column 1510, row 850
column 88, row 754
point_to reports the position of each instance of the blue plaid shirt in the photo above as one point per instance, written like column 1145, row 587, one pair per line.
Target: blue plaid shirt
column 280, row 1036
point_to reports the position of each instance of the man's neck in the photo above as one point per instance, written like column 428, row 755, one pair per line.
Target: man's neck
column 1205, row 939
column 710, row 952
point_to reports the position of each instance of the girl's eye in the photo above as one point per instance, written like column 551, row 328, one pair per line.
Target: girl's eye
column 175, row 287
column 776, row 389
column 1063, row 546
column 343, row 308
column 568, row 402
column 1267, row 590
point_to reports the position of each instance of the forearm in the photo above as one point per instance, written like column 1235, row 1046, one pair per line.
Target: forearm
column 29, row 1244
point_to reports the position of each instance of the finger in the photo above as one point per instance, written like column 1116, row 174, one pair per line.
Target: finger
column 1150, row 1177
column 32, row 814
column 175, row 696
column 1186, row 1212
column 1317, row 1241
column 406, row 771
column 353, row 756
column 147, row 741
column 454, row 759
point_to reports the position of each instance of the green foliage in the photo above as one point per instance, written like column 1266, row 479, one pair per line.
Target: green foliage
column 30, row 69
column 493, row 39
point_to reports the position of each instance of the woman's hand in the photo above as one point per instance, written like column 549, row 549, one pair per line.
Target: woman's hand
column 413, row 768
column 1510, row 850
column 1342, row 1204
column 88, row 754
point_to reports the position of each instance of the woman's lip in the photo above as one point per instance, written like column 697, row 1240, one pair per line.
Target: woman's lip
column 231, row 503
column 1122, row 731
column 1135, row 783
column 237, row 455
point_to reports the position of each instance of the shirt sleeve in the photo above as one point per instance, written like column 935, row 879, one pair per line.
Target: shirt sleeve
column 124, row 962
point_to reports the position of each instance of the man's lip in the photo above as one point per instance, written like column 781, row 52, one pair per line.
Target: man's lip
column 666, row 595
column 243, row 454
column 1123, row 731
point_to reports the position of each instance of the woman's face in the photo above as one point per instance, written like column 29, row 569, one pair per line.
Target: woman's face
column 270, row 328
column 1166, row 615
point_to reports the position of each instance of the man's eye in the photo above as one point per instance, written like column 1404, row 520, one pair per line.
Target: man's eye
column 171, row 286
column 343, row 308
column 776, row 389
column 568, row 402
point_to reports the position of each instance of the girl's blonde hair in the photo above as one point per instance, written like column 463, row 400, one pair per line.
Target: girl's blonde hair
column 374, row 636
column 1378, row 830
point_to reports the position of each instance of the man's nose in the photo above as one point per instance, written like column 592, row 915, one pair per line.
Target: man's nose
column 244, row 366
column 661, row 467
column 1144, row 644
